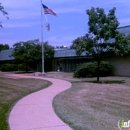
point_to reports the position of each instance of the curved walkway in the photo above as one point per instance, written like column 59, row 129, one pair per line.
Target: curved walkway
column 35, row 111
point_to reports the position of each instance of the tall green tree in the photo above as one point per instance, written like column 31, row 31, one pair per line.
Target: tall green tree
column 48, row 56
column 102, row 28
column 4, row 13
column 30, row 53
column 4, row 47
column 83, row 44
column 22, row 53
column 48, row 51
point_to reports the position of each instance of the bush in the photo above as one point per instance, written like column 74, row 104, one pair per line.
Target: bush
column 22, row 67
column 90, row 69
column 14, row 67
column 8, row 67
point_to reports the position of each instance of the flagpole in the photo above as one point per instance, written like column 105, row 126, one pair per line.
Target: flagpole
column 42, row 42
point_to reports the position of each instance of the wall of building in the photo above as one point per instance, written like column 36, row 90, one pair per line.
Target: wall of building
column 68, row 64
column 121, row 66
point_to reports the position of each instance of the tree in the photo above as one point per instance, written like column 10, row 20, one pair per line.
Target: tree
column 4, row 13
column 82, row 44
column 30, row 54
column 48, row 51
column 48, row 55
column 122, row 45
column 4, row 46
column 22, row 53
column 102, row 27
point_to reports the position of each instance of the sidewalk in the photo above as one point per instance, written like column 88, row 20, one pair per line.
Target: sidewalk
column 35, row 111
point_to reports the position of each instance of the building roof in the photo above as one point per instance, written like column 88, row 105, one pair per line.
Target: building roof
column 124, row 29
column 5, row 55
column 66, row 53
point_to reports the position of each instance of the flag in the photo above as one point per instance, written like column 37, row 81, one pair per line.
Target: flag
column 48, row 26
column 48, row 11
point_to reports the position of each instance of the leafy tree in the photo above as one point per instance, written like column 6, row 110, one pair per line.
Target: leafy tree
column 122, row 45
column 30, row 54
column 48, row 55
column 22, row 52
column 48, row 51
column 102, row 27
column 83, row 43
column 4, row 46
column 3, row 12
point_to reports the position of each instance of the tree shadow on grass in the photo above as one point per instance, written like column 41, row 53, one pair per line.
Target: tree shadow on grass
column 103, row 81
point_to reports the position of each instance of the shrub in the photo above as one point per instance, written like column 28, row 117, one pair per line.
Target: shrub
column 14, row 67
column 8, row 67
column 22, row 67
column 105, row 69
column 90, row 69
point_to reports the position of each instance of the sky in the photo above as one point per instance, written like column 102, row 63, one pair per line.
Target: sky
column 71, row 22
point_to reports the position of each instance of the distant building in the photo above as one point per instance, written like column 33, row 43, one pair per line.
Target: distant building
column 124, row 29
column 66, row 59
column 6, row 56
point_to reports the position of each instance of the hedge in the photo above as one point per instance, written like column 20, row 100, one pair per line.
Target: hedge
column 90, row 69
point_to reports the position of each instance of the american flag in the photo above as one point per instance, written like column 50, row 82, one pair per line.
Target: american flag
column 48, row 11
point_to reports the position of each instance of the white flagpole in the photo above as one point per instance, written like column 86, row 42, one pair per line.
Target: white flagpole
column 42, row 42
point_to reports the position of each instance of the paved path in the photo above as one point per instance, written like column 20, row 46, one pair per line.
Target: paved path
column 35, row 111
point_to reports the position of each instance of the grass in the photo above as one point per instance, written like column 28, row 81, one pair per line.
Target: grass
column 109, row 82
column 11, row 90
column 93, row 106
column 85, row 106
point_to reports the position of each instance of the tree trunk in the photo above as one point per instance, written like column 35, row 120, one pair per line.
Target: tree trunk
column 98, row 70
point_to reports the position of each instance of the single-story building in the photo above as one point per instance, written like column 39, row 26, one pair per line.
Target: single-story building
column 66, row 59
column 121, row 66
column 5, row 56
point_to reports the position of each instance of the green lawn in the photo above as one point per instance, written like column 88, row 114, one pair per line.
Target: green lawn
column 94, row 106
column 85, row 106
column 11, row 90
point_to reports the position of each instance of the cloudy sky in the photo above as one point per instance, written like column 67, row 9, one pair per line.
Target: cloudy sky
column 25, row 19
